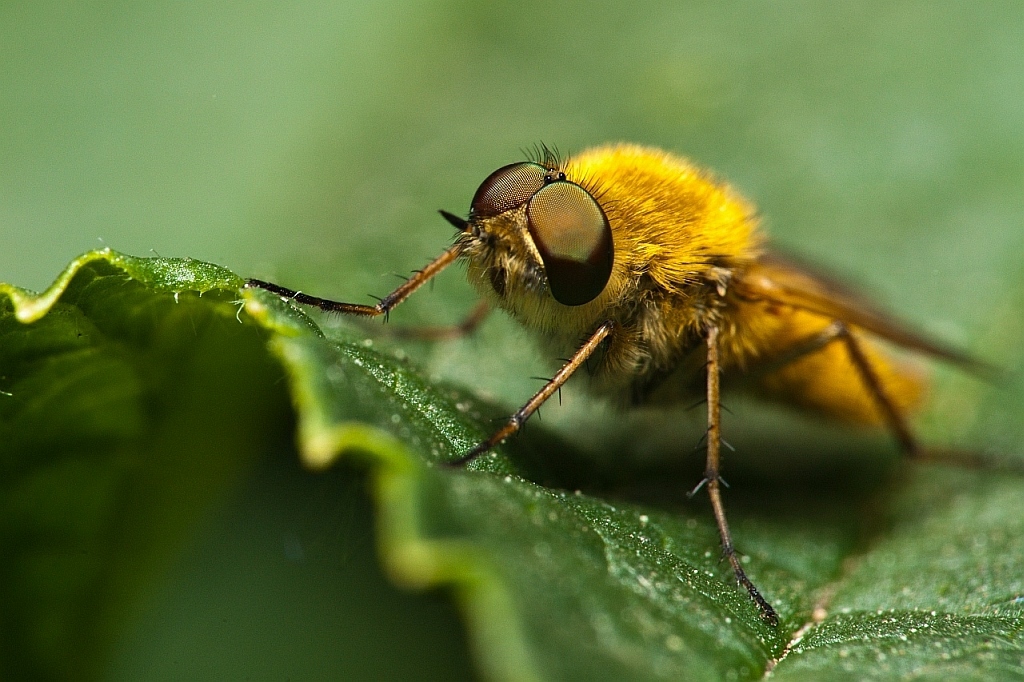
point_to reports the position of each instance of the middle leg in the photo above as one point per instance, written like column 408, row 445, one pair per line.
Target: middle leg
column 713, row 480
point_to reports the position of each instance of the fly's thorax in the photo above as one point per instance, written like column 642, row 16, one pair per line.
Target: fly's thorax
column 655, row 325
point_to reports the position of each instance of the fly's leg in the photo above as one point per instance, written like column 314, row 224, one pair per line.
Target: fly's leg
column 891, row 414
column 383, row 307
column 898, row 424
column 516, row 421
column 712, row 478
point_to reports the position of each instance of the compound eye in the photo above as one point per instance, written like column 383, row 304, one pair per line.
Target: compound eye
column 574, row 239
column 507, row 188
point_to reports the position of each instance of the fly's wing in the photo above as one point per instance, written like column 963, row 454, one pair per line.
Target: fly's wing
column 782, row 280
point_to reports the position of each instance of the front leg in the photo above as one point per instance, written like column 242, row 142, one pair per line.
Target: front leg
column 383, row 307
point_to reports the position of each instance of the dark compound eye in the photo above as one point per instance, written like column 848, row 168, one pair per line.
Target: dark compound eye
column 507, row 188
column 574, row 239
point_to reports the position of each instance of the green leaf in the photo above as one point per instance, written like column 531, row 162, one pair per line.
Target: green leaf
column 309, row 143
column 115, row 434
column 136, row 390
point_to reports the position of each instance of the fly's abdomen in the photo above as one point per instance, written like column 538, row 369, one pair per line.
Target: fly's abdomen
column 826, row 379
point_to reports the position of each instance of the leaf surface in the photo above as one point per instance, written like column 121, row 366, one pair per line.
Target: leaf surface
column 136, row 388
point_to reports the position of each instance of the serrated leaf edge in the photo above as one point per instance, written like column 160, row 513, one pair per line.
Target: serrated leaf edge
column 409, row 559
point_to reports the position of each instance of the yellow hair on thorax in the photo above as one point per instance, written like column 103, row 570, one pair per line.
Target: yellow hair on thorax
column 670, row 220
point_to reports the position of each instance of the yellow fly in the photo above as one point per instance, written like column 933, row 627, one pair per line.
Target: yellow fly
column 644, row 261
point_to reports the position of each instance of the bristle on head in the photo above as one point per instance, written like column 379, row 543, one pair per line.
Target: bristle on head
column 546, row 156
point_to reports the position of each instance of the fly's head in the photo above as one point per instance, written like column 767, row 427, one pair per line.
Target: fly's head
column 535, row 238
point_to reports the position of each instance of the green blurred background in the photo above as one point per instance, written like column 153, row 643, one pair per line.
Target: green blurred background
column 311, row 142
